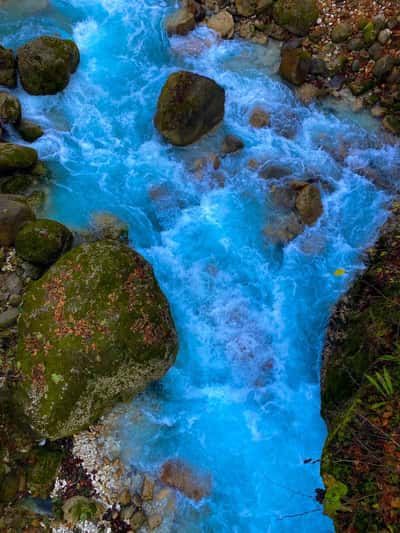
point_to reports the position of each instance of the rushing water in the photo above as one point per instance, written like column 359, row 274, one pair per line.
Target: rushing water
column 242, row 402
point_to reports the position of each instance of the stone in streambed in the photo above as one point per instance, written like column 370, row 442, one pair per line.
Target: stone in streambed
column 223, row 24
column 42, row 241
column 295, row 65
column 79, row 508
column 8, row 68
column 29, row 131
column 309, row 204
column 94, row 330
column 341, row 32
column 45, row 64
column 259, row 118
column 181, row 22
column 14, row 213
column 14, row 157
column 248, row 8
column 10, row 108
column 8, row 318
column 297, row 16
column 189, row 106
column 179, row 475
column 231, row 144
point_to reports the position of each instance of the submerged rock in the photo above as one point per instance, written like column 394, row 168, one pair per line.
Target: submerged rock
column 309, row 204
column 42, row 242
column 14, row 213
column 189, row 106
column 248, row 8
column 8, row 68
column 181, row 22
column 94, row 330
column 194, row 485
column 297, row 16
column 45, row 64
column 10, row 109
column 231, row 144
column 80, row 508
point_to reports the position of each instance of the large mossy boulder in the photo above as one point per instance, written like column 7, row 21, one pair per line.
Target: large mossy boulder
column 297, row 16
column 8, row 68
column 45, row 64
column 14, row 213
column 248, row 8
column 189, row 106
column 10, row 109
column 42, row 242
column 14, row 157
column 94, row 330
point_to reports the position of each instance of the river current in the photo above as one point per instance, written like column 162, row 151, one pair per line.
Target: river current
column 242, row 402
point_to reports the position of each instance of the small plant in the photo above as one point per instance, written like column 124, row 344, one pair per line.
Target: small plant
column 383, row 383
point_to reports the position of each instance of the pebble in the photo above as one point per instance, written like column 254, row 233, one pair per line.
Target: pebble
column 147, row 489
column 154, row 521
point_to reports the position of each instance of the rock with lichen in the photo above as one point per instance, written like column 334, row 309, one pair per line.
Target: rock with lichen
column 94, row 330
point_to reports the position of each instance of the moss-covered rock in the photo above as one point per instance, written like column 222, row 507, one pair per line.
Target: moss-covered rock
column 22, row 181
column 94, row 330
column 14, row 213
column 10, row 109
column 45, row 64
column 248, row 8
column 29, row 131
column 297, row 16
column 189, row 106
column 8, row 68
column 360, row 396
column 295, row 65
column 14, row 157
column 79, row 509
column 42, row 241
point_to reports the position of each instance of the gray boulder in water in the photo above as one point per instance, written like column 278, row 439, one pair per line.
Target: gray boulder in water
column 189, row 106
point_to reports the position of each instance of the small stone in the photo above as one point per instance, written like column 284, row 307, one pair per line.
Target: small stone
column 137, row 520
column 309, row 204
column 341, row 32
column 231, row 144
column 376, row 51
column 10, row 108
column 295, row 65
column 223, row 24
column 260, row 118
column 355, row 66
column 125, row 497
column 181, row 22
column 15, row 300
column 8, row 318
column 29, row 131
column 383, row 66
column 127, row 513
column 307, row 93
column 378, row 111
column 147, row 489
column 154, row 521
column 384, row 36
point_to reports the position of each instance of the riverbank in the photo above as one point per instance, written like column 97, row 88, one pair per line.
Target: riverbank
column 360, row 385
